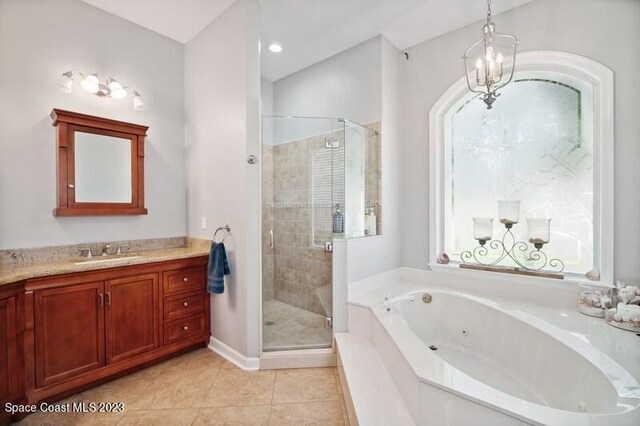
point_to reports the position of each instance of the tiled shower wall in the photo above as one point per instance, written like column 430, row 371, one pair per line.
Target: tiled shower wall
column 373, row 174
column 297, row 271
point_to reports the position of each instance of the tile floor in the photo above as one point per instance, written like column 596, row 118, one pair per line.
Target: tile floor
column 201, row 388
column 292, row 328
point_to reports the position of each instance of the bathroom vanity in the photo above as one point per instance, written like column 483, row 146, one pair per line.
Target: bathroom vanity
column 68, row 326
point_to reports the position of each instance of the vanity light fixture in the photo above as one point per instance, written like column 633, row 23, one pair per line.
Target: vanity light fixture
column 490, row 62
column 138, row 105
column 275, row 48
column 91, row 84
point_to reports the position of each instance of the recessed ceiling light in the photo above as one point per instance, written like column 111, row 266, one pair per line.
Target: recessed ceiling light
column 275, row 48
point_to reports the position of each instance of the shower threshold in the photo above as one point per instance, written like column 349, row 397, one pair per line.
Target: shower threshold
column 295, row 348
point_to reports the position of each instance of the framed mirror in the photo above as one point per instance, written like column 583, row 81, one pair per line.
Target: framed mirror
column 100, row 165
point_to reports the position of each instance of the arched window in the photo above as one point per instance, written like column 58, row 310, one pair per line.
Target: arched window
column 548, row 142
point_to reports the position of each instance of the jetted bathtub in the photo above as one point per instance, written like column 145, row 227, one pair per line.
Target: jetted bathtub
column 503, row 359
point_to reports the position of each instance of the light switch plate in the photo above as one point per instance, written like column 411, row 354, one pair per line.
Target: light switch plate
column 203, row 222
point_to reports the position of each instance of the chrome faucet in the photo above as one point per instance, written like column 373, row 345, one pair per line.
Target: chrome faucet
column 105, row 249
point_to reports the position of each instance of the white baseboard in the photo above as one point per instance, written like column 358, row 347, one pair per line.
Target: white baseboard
column 304, row 358
column 233, row 356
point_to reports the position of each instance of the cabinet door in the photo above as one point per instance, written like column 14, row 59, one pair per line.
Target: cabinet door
column 69, row 331
column 133, row 322
column 8, row 350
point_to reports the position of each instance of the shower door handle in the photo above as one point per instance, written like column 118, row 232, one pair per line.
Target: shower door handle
column 271, row 238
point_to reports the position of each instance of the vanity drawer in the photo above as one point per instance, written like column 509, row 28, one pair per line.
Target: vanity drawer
column 184, row 328
column 183, row 280
column 183, row 305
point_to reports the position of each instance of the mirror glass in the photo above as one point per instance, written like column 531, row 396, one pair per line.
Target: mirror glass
column 102, row 168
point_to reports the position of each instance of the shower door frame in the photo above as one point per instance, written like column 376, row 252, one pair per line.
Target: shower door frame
column 303, row 357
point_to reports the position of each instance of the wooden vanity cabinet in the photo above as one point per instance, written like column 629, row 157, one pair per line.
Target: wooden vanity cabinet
column 132, row 316
column 11, row 368
column 87, row 327
column 69, row 332
column 9, row 352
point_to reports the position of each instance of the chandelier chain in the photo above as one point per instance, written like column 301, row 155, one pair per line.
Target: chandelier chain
column 488, row 11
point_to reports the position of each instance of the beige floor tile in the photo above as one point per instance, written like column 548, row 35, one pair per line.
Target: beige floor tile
column 307, row 413
column 229, row 365
column 159, row 417
column 202, row 388
column 82, row 419
column 34, row 419
column 149, row 372
column 128, row 390
column 187, row 374
column 244, row 415
column 177, row 392
column 201, row 358
column 305, row 385
column 237, row 387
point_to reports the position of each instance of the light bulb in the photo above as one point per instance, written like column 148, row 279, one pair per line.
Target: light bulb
column 65, row 82
column 489, row 53
column 275, row 48
column 114, row 85
column 116, row 90
column 91, row 83
column 138, row 105
column 499, row 58
column 479, row 63
column 118, row 93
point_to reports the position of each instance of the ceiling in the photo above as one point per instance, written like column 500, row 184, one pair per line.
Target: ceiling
column 176, row 19
column 311, row 30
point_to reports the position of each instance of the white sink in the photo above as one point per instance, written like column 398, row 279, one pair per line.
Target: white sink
column 106, row 260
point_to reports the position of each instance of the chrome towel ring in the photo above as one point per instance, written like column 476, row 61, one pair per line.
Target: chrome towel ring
column 222, row 228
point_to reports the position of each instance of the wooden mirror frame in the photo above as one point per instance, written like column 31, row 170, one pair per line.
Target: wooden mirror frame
column 67, row 123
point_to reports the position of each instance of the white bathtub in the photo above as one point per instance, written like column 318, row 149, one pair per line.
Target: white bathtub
column 518, row 368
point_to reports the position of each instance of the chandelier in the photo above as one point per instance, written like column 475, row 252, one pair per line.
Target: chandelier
column 489, row 62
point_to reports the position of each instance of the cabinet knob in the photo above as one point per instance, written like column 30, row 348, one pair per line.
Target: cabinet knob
column 185, row 279
column 185, row 304
column 185, row 328
column 71, row 185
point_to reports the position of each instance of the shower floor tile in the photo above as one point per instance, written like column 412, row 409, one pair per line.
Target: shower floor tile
column 288, row 327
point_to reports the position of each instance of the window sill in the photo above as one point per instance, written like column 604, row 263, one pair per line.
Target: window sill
column 571, row 279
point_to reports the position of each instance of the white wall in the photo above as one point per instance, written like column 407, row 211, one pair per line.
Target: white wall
column 606, row 31
column 222, row 118
column 346, row 85
column 39, row 40
column 374, row 255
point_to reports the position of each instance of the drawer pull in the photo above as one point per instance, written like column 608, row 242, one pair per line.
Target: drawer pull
column 185, row 328
column 185, row 304
column 185, row 279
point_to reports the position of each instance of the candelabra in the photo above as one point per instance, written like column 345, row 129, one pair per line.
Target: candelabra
column 538, row 232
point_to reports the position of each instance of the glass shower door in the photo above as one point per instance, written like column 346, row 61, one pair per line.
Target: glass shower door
column 299, row 200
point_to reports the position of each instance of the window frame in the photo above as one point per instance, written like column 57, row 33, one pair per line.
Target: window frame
column 593, row 74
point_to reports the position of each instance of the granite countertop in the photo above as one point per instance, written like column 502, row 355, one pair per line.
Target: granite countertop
column 14, row 272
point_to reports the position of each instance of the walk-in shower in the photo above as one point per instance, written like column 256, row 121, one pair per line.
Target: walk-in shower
column 320, row 181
